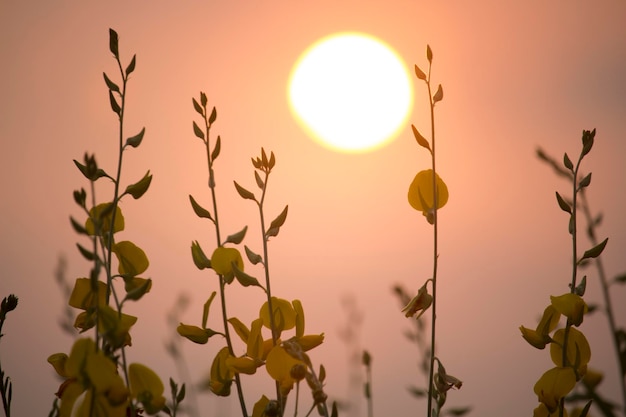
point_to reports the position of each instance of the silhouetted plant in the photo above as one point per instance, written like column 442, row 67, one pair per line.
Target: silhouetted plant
column 569, row 348
column 94, row 365
column 588, row 390
column 428, row 193
column 286, row 361
column 6, row 387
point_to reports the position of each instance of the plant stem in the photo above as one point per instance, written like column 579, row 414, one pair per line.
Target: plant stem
column 435, row 240
column 222, row 282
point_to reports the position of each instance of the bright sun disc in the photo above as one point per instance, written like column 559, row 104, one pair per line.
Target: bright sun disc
column 351, row 92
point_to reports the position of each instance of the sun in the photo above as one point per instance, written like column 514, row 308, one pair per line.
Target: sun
column 351, row 92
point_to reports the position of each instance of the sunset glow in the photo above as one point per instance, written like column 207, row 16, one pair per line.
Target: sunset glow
column 351, row 92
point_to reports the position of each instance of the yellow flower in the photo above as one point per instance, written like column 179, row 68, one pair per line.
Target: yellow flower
column 541, row 337
column 571, row 306
column 221, row 374
column 542, row 411
column 284, row 315
column 96, row 217
column 279, row 364
column 222, row 260
column 146, row 387
column 554, row 385
column 578, row 350
column 420, row 303
column 421, row 193
column 86, row 369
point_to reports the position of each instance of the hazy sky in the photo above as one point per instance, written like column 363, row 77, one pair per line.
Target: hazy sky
column 516, row 75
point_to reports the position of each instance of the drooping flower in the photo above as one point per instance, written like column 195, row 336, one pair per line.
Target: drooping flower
column 554, row 385
column 540, row 337
column 571, row 306
column 222, row 260
column 88, row 369
column 421, row 193
column 420, row 303
column 279, row 364
column 221, row 374
column 101, row 215
column 578, row 350
column 283, row 312
column 146, row 387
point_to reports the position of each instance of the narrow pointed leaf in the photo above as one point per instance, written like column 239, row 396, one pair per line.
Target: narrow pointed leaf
column 135, row 141
column 205, row 310
column 588, row 138
column 216, row 149
column 113, row 43
column 110, row 84
column 596, row 250
column 135, row 294
column 237, row 237
column 419, row 73
column 585, row 409
column 181, row 394
column 272, row 161
column 567, row 162
column 563, row 204
column 131, row 67
column 429, row 53
column 198, row 107
column 213, row 116
column 87, row 254
column 78, row 228
column 114, row 106
column 197, row 131
column 438, row 95
column 421, row 140
column 243, row 278
column 140, row 187
column 199, row 258
column 585, row 181
column 259, row 180
column 254, row 258
column 277, row 223
column 199, row 210
column 244, row 193
column 203, row 99
column 621, row 279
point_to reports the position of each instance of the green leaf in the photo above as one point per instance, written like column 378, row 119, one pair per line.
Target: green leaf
column 132, row 259
column 80, row 197
column 205, row 310
column 567, row 162
column 585, row 181
column 237, row 237
column 563, row 204
column 91, row 170
column 135, row 141
column 112, row 86
column 580, row 288
column 197, row 107
column 419, row 73
column 259, row 180
column 245, row 194
column 199, row 258
column 216, row 149
column 113, row 43
column 87, row 254
column 213, row 116
column 252, row 257
column 438, row 95
column 135, row 294
column 199, row 210
column 277, row 223
column 243, row 278
column 140, row 187
column 78, row 228
column 421, row 140
column 197, row 131
column 114, row 106
column 181, row 394
column 585, row 409
column 131, row 67
column 596, row 250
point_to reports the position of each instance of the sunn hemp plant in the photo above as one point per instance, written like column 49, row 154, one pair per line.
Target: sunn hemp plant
column 97, row 379
column 569, row 349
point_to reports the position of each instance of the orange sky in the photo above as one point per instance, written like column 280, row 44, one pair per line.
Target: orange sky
column 515, row 77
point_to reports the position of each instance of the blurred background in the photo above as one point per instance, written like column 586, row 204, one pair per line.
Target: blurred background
column 516, row 76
